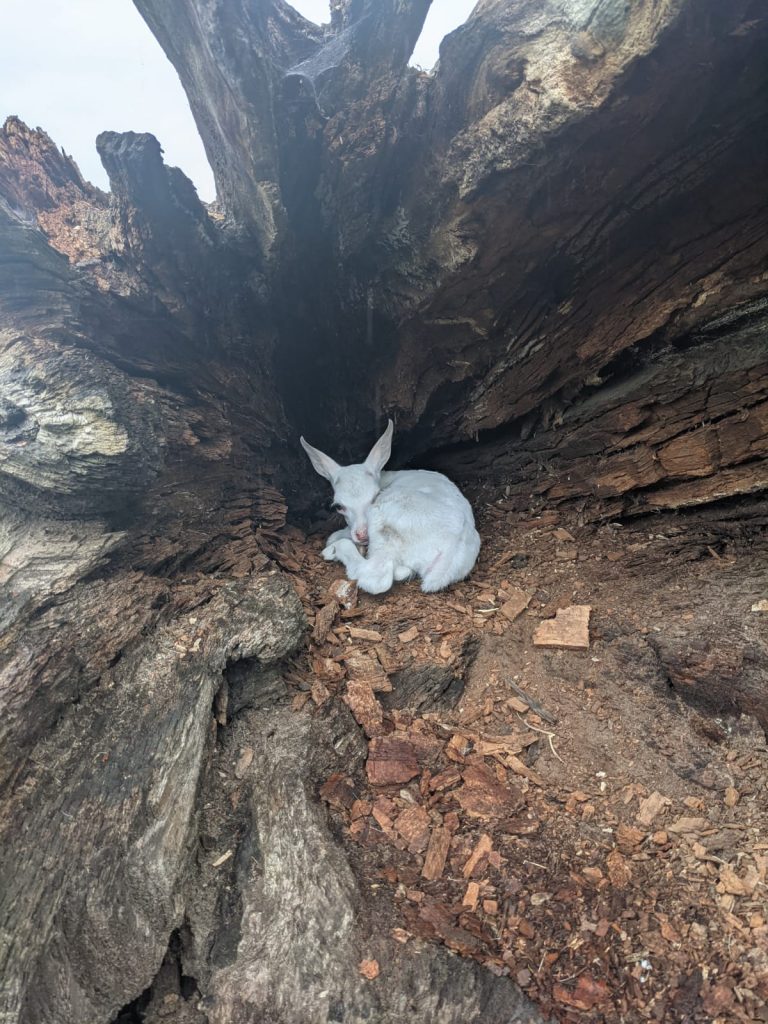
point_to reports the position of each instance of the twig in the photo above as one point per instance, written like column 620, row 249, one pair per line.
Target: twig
column 532, row 704
column 544, row 732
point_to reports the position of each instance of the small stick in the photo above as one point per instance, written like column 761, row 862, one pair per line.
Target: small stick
column 544, row 732
column 532, row 704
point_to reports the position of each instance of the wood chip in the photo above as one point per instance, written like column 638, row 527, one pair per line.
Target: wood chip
column 457, row 748
column 650, row 807
column 628, row 837
column 390, row 760
column 517, row 705
column 445, row 780
column 365, row 668
column 731, row 883
column 760, row 606
column 222, row 859
column 619, row 870
column 328, row 669
column 520, row 768
column 587, row 994
column 320, row 692
column 324, row 620
column 437, row 853
column 471, row 896
column 344, row 592
column 568, row 630
column 566, row 552
column 731, row 796
column 372, row 635
column 408, row 635
column 688, row 825
column 243, row 762
column 482, row 849
column 413, row 826
column 515, row 603
column 338, row 792
column 533, row 704
column 369, row 969
column 563, row 535
column 483, row 796
column 360, row 809
column 367, row 711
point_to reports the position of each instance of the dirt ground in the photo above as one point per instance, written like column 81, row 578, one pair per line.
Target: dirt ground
column 591, row 822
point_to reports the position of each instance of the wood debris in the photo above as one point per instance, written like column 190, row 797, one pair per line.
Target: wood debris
column 369, row 969
column 365, row 668
column 437, row 853
column 515, row 603
column 480, row 852
column 324, row 619
column 562, row 534
column 390, row 760
column 483, row 796
column 651, row 807
column 569, row 629
column 243, row 762
column 413, row 826
column 371, row 635
column 608, row 867
column 368, row 713
column 344, row 592
column 471, row 896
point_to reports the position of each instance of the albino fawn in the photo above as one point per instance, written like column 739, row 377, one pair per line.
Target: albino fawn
column 415, row 523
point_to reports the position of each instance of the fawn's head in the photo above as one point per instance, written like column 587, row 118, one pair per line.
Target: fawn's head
column 354, row 487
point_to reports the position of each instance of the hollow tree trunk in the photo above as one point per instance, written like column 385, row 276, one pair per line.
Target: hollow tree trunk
column 546, row 261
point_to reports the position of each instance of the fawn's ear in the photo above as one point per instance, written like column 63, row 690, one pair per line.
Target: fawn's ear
column 323, row 463
column 378, row 456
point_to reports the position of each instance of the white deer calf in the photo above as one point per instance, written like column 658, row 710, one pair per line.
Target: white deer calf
column 415, row 523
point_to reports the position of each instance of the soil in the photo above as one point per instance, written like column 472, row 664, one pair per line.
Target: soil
column 590, row 822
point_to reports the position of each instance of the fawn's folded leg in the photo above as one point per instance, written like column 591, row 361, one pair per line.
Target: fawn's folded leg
column 374, row 575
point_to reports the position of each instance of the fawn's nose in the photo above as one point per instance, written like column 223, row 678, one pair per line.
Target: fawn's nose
column 361, row 536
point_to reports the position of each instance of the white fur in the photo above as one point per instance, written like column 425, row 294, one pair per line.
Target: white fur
column 416, row 523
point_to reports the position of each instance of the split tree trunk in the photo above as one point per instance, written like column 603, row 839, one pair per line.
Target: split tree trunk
column 546, row 261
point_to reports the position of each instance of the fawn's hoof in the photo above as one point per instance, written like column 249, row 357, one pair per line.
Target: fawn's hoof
column 329, row 553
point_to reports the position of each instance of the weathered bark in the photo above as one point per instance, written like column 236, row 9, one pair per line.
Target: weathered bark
column 555, row 244
column 683, row 425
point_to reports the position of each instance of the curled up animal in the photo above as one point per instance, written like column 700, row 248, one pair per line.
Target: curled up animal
column 414, row 522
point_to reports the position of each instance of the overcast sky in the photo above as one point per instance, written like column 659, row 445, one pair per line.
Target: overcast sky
column 78, row 67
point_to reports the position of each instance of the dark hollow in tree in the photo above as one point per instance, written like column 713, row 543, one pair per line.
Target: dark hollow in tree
column 546, row 261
